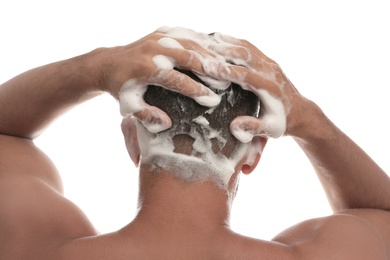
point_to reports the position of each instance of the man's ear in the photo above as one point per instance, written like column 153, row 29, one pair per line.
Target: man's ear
column 254, row 154
column 129, row 131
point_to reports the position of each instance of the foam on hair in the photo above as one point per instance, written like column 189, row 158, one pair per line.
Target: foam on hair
column 199, row 146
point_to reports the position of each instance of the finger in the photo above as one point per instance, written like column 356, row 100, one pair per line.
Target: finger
column 191, row 58
column 132, row 103
column 237, row 55
column 244, row 128
column 163, row 29
column 254, row 154
column 201, row 47
column 181, row 38
column 154, row 119
column 242, row 76
column 196, row 61
column 243, row 43
column 181, row 83
column 185, row 59
column 185, row 53
column 184, row 34
column 188, row 51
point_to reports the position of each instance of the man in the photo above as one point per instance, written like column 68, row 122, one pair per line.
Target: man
column 181, row 216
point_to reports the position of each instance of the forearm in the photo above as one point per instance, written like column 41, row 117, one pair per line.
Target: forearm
column 351, row 179
column 32, row 100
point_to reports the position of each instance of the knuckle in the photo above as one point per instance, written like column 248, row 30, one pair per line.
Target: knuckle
column 148, row 45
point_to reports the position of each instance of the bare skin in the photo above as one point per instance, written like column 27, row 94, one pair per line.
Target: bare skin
column 176, row 220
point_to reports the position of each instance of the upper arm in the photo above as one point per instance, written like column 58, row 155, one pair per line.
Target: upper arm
column 33, row 213
column 19, row 157
column 335, row 237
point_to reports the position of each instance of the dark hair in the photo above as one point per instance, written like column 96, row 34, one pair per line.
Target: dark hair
column 183, row 110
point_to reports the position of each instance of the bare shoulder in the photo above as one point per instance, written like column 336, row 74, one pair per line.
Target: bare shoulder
column 34, row 216
column 351, row 234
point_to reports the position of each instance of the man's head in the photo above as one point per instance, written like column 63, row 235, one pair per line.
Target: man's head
column 199, row 146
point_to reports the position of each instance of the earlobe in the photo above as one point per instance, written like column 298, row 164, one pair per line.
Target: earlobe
column 254, row 154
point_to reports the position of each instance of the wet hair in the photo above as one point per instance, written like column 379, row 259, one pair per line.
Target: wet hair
column 183, row 110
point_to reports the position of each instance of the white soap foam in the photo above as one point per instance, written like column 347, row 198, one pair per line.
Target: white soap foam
column 131, row 94
column 131, row 101
column 217, row 84
column 236, row 55
column 227, row 39
column 205, row 164
column 201, row 120
column 163, row 62
column 242, row 135
column 254, row 151
column 170, row 43
column 208, row 101
column 163, row 29
column 184, row 33
column 215, row 67
column 273, row 119
column 274, row 114
column 153, row 122
column 202, row 165
column 208, row 42
column 131, row 97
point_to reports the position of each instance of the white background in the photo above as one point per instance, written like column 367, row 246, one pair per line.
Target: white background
column 335, row 52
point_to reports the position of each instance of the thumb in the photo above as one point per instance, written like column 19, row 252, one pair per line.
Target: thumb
column 244, row 128
column 154, row 119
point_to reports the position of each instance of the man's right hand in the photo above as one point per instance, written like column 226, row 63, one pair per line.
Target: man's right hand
column 126, row 71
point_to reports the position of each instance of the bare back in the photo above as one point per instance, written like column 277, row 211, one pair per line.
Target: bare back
column 37, row 222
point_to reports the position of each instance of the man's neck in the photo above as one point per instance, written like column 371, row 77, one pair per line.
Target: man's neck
column 168, row 202
column 182, row 218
